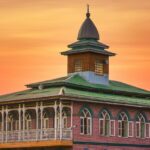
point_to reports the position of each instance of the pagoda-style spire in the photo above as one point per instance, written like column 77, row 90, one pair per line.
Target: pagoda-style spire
column 88, row 57
column 88, row 11
column 88, row 29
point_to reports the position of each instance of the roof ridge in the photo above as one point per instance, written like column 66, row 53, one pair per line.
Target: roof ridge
column 71, row 76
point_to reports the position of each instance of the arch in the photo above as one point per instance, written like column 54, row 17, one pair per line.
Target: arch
column 126, row 112
column 105, row 109
column 88, row 108
column 32, row 112
column 30, row 119
column 67, row 110
column 143, row 114
column 48, row 117
column 13, row 120
column 123, row 116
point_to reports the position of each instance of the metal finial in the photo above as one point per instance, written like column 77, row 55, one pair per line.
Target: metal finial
column 88, row 11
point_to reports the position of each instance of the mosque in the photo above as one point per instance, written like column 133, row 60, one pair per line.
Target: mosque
column 84, row 110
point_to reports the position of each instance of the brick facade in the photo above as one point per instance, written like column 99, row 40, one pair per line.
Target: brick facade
column 97, row 142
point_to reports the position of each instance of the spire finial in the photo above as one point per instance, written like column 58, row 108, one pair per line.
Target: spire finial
column 88, row 11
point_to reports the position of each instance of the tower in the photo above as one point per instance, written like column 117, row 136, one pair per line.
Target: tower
column 89, row 57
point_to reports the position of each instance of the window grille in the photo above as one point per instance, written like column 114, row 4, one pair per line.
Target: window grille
column 99, row 67
column 78, row 65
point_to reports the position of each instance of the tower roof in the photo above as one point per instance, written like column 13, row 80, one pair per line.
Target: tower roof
column 88, row 29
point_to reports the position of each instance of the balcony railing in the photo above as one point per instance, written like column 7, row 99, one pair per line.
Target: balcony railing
column 35, row 135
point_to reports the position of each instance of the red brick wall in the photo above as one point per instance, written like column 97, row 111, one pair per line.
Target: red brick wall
column 95, row 137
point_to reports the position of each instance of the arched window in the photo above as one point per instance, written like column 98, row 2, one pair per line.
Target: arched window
column 140, row 126
column 28, row 121
column 86, row 122
column 104, row 123
column 123, row 125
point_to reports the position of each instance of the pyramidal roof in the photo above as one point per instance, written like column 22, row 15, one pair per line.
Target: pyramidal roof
column 88, row 29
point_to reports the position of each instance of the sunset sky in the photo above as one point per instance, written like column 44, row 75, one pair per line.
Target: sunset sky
column 34, row 32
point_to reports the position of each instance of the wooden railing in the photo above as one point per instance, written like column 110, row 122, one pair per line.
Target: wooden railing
column 35, row 135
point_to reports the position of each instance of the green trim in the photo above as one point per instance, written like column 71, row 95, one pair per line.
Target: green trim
column 126, row 112
column 109, row 112
column 144, row 115
column 111, row 144
column 87, row 107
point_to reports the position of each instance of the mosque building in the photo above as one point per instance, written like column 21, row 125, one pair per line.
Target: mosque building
column 84, row 110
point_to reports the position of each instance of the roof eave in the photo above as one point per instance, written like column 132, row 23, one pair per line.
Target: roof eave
column 70, row 52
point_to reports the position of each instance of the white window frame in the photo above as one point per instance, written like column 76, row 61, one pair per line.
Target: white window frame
column 147, row 124
column 120, row 128
column 140, row 117
column 104, row 113
column 123, row 114
column 114, row 130
column 138, row 129
column 132, row 128
column 88, row 119
column 82, row 125
column 100, row 127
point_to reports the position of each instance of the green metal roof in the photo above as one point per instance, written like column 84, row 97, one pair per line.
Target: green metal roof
column 78, row 94
column 77, row 87
column 83, row 50
column 76, row 80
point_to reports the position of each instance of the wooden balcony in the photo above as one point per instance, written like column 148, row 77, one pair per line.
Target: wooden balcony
column 36, row 138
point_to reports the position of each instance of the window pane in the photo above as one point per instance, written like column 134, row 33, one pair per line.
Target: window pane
column 82, row 125
column 101, row 127
column 85, row 125
column 99, row 68
column 112, row 125
column 142, row 130
column 89, row 126
column 107, row 127
column 78, row 66
column 130, row 129
column 120, row 128
column 137, row 129
column 147, row 130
